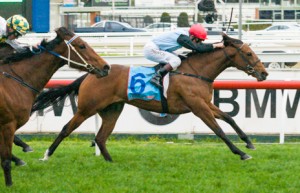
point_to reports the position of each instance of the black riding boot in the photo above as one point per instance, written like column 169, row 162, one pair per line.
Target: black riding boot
column 157, row 78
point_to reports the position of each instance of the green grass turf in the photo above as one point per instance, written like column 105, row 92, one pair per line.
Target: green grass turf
column 156, row 165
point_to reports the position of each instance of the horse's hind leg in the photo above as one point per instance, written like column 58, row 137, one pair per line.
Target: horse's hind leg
column 20, row 143
column 26, row 148
column 203, row 111
column 17, row 161
column 109, row 117
column 225, row 117
column 74, row 123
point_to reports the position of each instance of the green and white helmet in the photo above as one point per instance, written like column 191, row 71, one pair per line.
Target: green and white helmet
column 18, row 23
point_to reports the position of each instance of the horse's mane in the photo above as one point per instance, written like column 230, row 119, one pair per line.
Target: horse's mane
column 27, row 53
column 3, row 44
column 228, row 41
column 18, row 56
column 51, row 45
column 192, row 53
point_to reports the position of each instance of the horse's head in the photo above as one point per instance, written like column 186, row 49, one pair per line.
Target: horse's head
column 242, row 57
column 80, row 55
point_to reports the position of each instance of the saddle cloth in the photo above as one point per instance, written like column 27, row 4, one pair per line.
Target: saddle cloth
column 139, row 86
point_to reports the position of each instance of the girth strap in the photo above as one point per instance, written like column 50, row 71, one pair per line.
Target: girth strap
column 164, row 103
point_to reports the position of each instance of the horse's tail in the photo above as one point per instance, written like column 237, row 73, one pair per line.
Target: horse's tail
column 54, row 95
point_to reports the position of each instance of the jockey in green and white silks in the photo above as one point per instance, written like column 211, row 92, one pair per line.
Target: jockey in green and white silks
column 11, row 29
column 161, row 48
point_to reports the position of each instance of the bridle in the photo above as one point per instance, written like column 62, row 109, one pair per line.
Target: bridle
column 249, row 69
column 86, row 65
column 89, row 67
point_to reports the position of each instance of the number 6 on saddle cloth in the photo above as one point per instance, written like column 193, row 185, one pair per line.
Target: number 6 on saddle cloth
column 140, row 87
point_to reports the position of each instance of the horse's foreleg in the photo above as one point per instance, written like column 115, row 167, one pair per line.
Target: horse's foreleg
column 203, row 111
column 6, row 141
column 74, row 123
column 225, row 117
column 6, row 166
column 109, row 117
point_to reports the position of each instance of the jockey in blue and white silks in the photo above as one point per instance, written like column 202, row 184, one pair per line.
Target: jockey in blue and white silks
column 161, row 48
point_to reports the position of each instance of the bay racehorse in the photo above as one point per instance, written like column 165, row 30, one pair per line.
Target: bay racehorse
column 24, row 75
column 190, row 90
column 7, row 51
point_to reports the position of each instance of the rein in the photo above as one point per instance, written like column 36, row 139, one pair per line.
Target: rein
column 192, row 75
column 89, row 67
column 249, row 68
column 19, row 81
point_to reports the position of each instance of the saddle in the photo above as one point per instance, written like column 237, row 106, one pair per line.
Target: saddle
column 140, row 87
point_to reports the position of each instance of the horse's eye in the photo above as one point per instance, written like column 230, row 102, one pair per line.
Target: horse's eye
column 249, row 54
column 82, row 46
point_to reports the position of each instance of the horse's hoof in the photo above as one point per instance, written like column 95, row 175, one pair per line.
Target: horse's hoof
column 27, row 149
column 20, row 163
column 9, row 184
column 46, row 156
column 43, row 159
column 108, row 159
column 250, row 146
column 246, row 157
column 93, row 143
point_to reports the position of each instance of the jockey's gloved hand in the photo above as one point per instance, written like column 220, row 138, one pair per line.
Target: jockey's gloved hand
column 182, row 57
column 35, row 49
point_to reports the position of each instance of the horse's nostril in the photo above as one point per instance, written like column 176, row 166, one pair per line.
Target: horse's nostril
column 265, row 74
column 106, row 67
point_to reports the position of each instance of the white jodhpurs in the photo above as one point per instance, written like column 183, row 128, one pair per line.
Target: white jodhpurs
column 153, row 53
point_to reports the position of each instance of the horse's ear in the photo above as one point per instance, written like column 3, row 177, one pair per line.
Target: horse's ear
column 225, row 36
column 63, row 31
column 226, row 39
column 56, row 30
